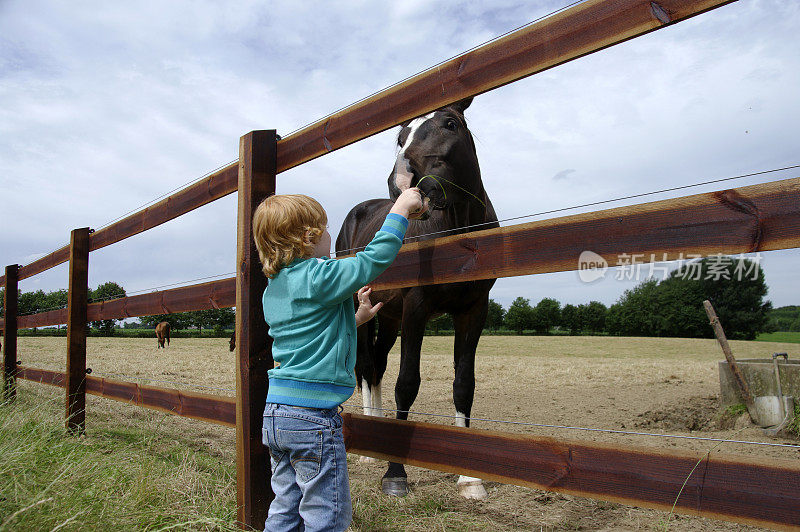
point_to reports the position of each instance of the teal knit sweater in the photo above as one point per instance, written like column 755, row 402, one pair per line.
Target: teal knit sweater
column 309, row 309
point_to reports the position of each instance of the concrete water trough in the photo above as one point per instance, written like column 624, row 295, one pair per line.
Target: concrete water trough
column 759, row 373
column 773, row 398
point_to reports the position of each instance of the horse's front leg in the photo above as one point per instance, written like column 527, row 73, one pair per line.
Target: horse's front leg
column 365, row 371
column 468, row 327
column 373, row 353
column 395, row 481
column 365, row 363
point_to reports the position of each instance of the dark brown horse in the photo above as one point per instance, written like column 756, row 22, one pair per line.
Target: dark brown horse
column 437, row 154
column 162, row 333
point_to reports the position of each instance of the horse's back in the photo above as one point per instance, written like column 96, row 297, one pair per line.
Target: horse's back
column 162, row 329
column 361, row 224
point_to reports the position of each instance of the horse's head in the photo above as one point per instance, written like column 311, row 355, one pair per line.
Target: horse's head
column 437, row 154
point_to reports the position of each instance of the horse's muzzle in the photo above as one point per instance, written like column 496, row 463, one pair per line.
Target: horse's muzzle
column 430, row 186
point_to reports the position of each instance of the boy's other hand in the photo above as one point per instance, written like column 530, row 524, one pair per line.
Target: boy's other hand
column 366, row 310
column 410, row 204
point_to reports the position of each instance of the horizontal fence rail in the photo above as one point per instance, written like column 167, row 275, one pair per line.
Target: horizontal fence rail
column 581, row 30
column 204, row 407
column 51, row 260
column 761, row 217
column 755, row 218
column 763, row 492
column 214, row 294
column 576, row 32
column 43, row 319
column 217, row 185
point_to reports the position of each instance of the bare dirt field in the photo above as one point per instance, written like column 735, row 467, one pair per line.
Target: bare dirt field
column 667, row 386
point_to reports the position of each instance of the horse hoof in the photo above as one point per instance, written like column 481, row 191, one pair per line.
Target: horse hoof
column 473, row 490
column 395, row 486
column 367, row 460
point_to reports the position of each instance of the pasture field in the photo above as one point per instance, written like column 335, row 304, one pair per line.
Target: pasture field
column 639, row 384
column 780, row 336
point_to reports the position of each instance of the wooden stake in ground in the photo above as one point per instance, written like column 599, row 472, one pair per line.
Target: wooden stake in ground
column 737, row 375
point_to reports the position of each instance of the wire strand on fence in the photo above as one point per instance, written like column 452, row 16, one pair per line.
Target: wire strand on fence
column 594, row 203
column 485, row 420
column 437, row 65
column 588, row 429
column 151, row 202
column 417, row 237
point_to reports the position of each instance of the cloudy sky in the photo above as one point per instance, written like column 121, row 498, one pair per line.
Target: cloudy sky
column 109, row 105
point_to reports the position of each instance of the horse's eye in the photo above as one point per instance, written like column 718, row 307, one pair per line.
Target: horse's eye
column 451, row 124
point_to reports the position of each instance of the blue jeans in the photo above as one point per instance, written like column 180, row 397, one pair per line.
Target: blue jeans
column 309, row 469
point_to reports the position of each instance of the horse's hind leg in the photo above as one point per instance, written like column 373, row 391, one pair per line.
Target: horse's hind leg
column 468, row 327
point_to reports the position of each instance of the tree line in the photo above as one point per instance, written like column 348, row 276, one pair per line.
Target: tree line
column 785, row 318
column 672, row 307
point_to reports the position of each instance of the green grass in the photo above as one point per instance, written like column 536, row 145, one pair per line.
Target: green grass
column 736, row 410
column 781, row 336
column 136, row 474
column 114, row 478
column 794, row 426
column 373, row 512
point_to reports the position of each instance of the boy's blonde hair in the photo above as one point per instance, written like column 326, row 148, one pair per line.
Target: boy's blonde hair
column 280, row 225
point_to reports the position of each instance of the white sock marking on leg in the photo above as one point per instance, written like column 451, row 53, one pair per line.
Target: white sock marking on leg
column 366, row 397
column 461, row 421
column 377, row 400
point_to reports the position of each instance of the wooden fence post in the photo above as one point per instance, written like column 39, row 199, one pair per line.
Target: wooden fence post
column 77, row 307
column 10, row 308
column 257, row 170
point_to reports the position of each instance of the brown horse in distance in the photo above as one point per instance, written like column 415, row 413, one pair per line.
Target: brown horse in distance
column 162, row 333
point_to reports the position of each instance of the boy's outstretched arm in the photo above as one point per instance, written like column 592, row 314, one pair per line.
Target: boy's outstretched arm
column 334, row 280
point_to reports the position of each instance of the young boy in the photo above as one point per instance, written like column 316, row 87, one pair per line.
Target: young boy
column 308, row 306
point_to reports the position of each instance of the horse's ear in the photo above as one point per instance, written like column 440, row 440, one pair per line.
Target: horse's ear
column 461, row 105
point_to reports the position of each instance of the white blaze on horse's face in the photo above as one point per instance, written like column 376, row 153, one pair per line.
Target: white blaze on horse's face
column 402, row 176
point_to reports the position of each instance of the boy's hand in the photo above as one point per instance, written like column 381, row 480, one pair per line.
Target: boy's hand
column 410, row 204
column 366, row 311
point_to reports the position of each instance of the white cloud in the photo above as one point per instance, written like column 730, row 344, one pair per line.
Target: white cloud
column 108, row 106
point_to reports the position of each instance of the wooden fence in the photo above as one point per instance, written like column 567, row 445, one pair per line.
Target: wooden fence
column 748, row 219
